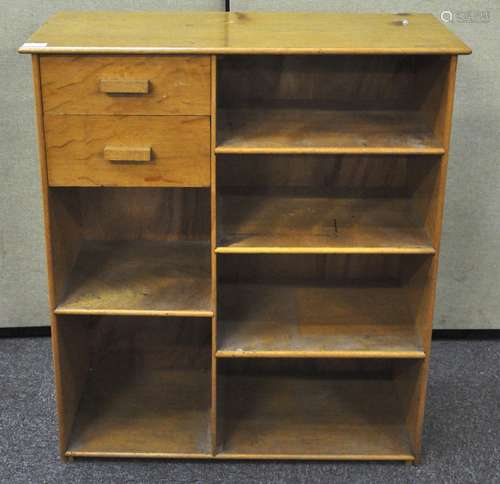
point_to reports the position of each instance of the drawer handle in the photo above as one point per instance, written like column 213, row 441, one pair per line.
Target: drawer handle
column 124, row 86
column 127, row 153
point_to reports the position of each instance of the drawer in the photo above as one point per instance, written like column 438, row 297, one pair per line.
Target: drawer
column 118, row 84
column 128, row 151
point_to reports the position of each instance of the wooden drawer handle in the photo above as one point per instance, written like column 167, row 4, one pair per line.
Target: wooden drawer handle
column 124, row 86
column 127, row 153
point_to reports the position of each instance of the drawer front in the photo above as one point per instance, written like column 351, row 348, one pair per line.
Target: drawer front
column 87, row 84
column 128, row 151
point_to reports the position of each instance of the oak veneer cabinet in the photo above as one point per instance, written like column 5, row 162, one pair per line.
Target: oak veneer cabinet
column 243, row 214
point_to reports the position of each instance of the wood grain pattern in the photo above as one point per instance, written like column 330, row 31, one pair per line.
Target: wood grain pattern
column 340, row 175
column 180, row 147
column 333, row 82
column 323, row 131
column 326, row 269
column 223, row 33
column 288, row 223
column 313, row 320
column 154, row 214
column 178, row 85
column 268, row 416
column 140, row 278
column 148, row 394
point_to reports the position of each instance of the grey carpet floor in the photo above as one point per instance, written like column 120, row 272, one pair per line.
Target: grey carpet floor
column 461, row 437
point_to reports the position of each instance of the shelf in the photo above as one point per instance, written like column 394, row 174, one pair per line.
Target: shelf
column 147, row 388
column 313, row 418
column 278, row 320
column 321, row 131
column 155, row 412
column 140, row 278
column 281, row 223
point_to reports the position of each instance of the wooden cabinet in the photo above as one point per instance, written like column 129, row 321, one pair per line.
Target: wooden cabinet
column 243, row 217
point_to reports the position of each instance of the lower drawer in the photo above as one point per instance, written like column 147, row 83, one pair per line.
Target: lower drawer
column 128, row 151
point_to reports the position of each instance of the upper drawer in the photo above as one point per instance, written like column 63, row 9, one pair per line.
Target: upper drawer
column 118, row 84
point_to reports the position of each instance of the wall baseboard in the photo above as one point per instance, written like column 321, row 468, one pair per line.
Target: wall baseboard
column 472, row 334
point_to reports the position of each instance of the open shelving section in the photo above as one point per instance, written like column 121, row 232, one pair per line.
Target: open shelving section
column 143, row 386
column 272, row 320
column 341, row 104
column 329, row 178
column 286, row 222
column 336, row 409
column 304, row 130
column 132, row 282
column 243, row 215
column 133, row 251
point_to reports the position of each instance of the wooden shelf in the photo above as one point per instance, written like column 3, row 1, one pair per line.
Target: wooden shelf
column 325, row 131
column 282, row 223
column 140, row 278
column 146, row 392
column 278, row 320
column 163, row 413
column 313, row 418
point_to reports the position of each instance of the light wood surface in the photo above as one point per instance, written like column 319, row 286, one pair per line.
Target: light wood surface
column 76, row 146
column 67, row 379
column 223, row 33
column 175, row 85
column 269, row 415
column 148, row 391
column 312, row 320
column 148, row 278
column 285, row 222
column 127, row 153
column 324, row 131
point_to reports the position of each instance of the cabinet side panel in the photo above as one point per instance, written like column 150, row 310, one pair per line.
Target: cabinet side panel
column 62, row 410
column 422, row 281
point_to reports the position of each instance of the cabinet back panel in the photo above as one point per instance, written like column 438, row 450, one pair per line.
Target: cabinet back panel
column 328, row 82
column 343, row 175
column 314, row 268
column 139, row 214
column 156, row 343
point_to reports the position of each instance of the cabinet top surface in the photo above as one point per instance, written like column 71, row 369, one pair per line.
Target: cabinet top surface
column 240, row 33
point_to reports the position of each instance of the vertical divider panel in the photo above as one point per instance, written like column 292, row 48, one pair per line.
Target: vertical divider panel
column 213, row 243
column 424, row 281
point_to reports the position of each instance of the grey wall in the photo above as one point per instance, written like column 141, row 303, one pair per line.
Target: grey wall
column 468, row 295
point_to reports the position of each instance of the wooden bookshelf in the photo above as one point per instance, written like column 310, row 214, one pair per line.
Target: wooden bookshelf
column 140, row 278
column 147, row 392
column 324, row 131
column 312, row 224
column 270, row 413
column 242, row 216
column 310, row 320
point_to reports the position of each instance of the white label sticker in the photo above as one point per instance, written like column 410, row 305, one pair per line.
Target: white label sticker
column 34, row 45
